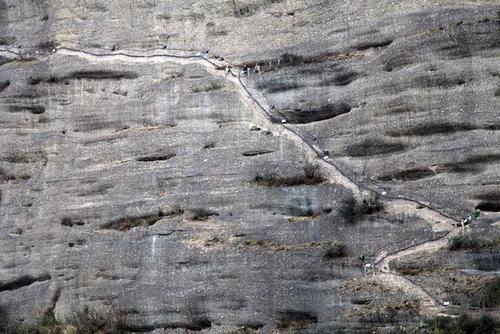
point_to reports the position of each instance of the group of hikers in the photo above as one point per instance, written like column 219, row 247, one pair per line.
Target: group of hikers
column 245, row 71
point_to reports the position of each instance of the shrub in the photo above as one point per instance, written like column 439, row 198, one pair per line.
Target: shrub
column 311, row 170
column 336, row 251
column 84, row 322
column 471, row 242
column 87, row 321
column 463, row 241
column 310, row 176
column 462, row 325
column 354, row 209
column 488, row 295
column 202, row 214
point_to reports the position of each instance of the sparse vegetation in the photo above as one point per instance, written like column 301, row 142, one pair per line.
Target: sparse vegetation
column 390, row 312
column 462, row 325
column 174, row 212
column 471, row 242
column 354, row 209
column 310, row 176
column 277, row 246
column 296, row 319
column 243, row 330
column 126, row 223
column 85, row 322
column 336, row 251
column 488, row 295
column 202, row 214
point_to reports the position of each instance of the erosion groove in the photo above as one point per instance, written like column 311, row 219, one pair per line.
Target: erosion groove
column 300, row 116
column 102, row 75
column 23, row 281
column 156, row 158
column 34, row 109
column 254, row 153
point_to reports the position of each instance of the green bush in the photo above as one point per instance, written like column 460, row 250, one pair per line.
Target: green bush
column 354, row 209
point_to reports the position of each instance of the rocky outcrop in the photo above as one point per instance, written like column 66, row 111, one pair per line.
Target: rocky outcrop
column 137, row 175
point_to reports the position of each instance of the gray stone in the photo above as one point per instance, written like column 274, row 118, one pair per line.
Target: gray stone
column 136, row 176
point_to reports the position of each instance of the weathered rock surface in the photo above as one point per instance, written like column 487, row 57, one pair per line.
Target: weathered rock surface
column 135, row 175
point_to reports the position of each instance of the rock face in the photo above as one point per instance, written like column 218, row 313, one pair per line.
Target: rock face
column 136, row 175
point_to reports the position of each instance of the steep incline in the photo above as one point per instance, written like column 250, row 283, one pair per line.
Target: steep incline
column 136, row 176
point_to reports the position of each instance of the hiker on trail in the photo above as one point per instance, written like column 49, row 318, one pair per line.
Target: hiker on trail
column 257, row 68
column 369, row 269
column 247, row 72
column 242, row 73
column 227, row 70
column 368, row 265
column 472, row 217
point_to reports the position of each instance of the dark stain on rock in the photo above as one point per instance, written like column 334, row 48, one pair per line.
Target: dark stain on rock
column 253, row 153
column 102, row 75
column 4, row 85
column 316, row 114
column 23, row 281
column 34, row 109
column 23, row 157
column 489, row 206
column 209, row 146
column 433, row 129
column 408, row 175
column 156, row 158
column 273, row 85
column 437, row 80
column 70, row 222
column 480, row 159
column 51, row 80
column 371, row 147
column 489, row 196
column 342, row 77
column 95, row 191
column 373, row 44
